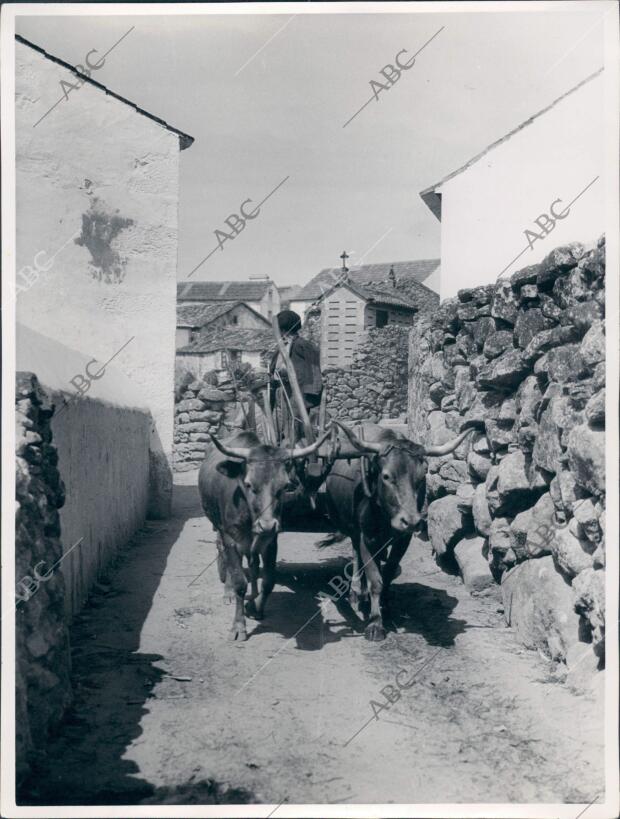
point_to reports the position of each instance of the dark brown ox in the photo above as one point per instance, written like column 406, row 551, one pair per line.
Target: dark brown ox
column 241, row 484
column 378, row 500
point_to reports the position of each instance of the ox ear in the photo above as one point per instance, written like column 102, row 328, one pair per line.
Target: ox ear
column 232, row 469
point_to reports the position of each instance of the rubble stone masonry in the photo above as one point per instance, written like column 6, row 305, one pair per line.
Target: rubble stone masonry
column 522, row 501
column 43, row 689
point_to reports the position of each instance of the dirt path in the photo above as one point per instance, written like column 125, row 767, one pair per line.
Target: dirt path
column 167, row 710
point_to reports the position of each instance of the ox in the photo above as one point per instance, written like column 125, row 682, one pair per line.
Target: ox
column 241, row 484
column 378, row 501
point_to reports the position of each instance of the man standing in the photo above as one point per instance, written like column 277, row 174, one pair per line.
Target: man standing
column 305, row 359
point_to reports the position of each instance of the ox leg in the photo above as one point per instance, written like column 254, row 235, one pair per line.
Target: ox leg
column 254, row 567
column 256, row 607
column 358, row 592
column 229, row 592
column 369, row 551
column 239, row 583
column 390, row 570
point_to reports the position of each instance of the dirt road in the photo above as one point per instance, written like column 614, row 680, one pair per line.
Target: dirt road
column 168, row 710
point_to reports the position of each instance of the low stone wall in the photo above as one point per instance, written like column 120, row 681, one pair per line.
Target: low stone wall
column 375, row 385
column 523, row 501
column 200, row 411
column 43, row 689
column 106, row 444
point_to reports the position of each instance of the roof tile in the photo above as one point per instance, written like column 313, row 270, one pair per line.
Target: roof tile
column 419, row 270
column 237, row 338
column 223, row 291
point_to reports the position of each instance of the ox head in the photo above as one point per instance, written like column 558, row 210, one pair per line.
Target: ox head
column 264, row 472
column 398, row 474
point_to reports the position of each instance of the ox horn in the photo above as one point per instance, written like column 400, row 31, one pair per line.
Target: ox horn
column 241, row 452
column 445, row 449
column 358, row 443
column 302, row 452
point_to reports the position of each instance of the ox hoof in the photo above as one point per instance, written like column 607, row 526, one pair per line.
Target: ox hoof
column 237, row 633
column 252, row 611
column 375, row 632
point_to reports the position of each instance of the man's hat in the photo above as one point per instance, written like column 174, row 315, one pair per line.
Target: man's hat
column 289, row 321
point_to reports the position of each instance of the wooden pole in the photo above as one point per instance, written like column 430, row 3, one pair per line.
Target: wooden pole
column 269, row 418
column 292, row 377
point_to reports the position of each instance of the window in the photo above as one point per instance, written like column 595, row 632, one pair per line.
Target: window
column 381, row 318
column 235, row 319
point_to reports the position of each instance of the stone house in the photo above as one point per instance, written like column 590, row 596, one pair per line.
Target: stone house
column 348, row 309
column 191, row 318
column 494, row 221
column 223, row 348
column 261, row 295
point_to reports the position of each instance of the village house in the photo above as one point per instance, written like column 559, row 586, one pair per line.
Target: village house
column 260, row 294
column 348, row 308
column 191, row 318
column 106, row 221
column 225, row 348
column 95, row 328
column 418, row 279
column 495, row 220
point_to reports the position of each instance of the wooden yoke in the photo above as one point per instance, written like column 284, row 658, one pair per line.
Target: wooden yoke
column 292, row 377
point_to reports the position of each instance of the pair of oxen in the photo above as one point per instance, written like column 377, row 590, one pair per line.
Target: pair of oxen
column 376, row 494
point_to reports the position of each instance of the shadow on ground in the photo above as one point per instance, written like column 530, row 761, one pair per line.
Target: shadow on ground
column 297, row 614
column 112, row 682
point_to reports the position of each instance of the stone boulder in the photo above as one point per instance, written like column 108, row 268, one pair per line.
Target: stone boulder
column 500, row 544
column 529, row 324
column 586, row 515
column 532, row 530
column 478, row 465
column 473, row 566
column 586, row 458
column 513, row 484
column 213, row 395
column 558, row 263
column 548, row 339
column 595, row 410
column 562, row 364
column 539, row 606
column 190, row 404
column 527, row 275
column 504, row 372
column 447, row 524
column 589, row 590
column 593, row 344
column 465, row 497
column 482, row 329
column 480, row 510
column 572, row 289
column 582, row 316
column 570, row 553
column 497, row 343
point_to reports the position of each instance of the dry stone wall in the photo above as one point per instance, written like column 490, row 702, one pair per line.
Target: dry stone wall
column 43, row 689
column 522, row 502
column 200, row 412
column 375, row 385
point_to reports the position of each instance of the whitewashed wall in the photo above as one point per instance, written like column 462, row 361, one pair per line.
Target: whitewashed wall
column 96, row 163
column 487, row 208
column 102, row 440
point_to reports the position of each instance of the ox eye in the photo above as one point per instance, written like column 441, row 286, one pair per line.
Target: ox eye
column 248, row 485
column 386, row 477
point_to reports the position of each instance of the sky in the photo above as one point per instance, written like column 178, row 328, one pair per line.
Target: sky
column 266, row 98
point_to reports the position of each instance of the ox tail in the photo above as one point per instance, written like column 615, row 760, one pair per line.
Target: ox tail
column 330, row 539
